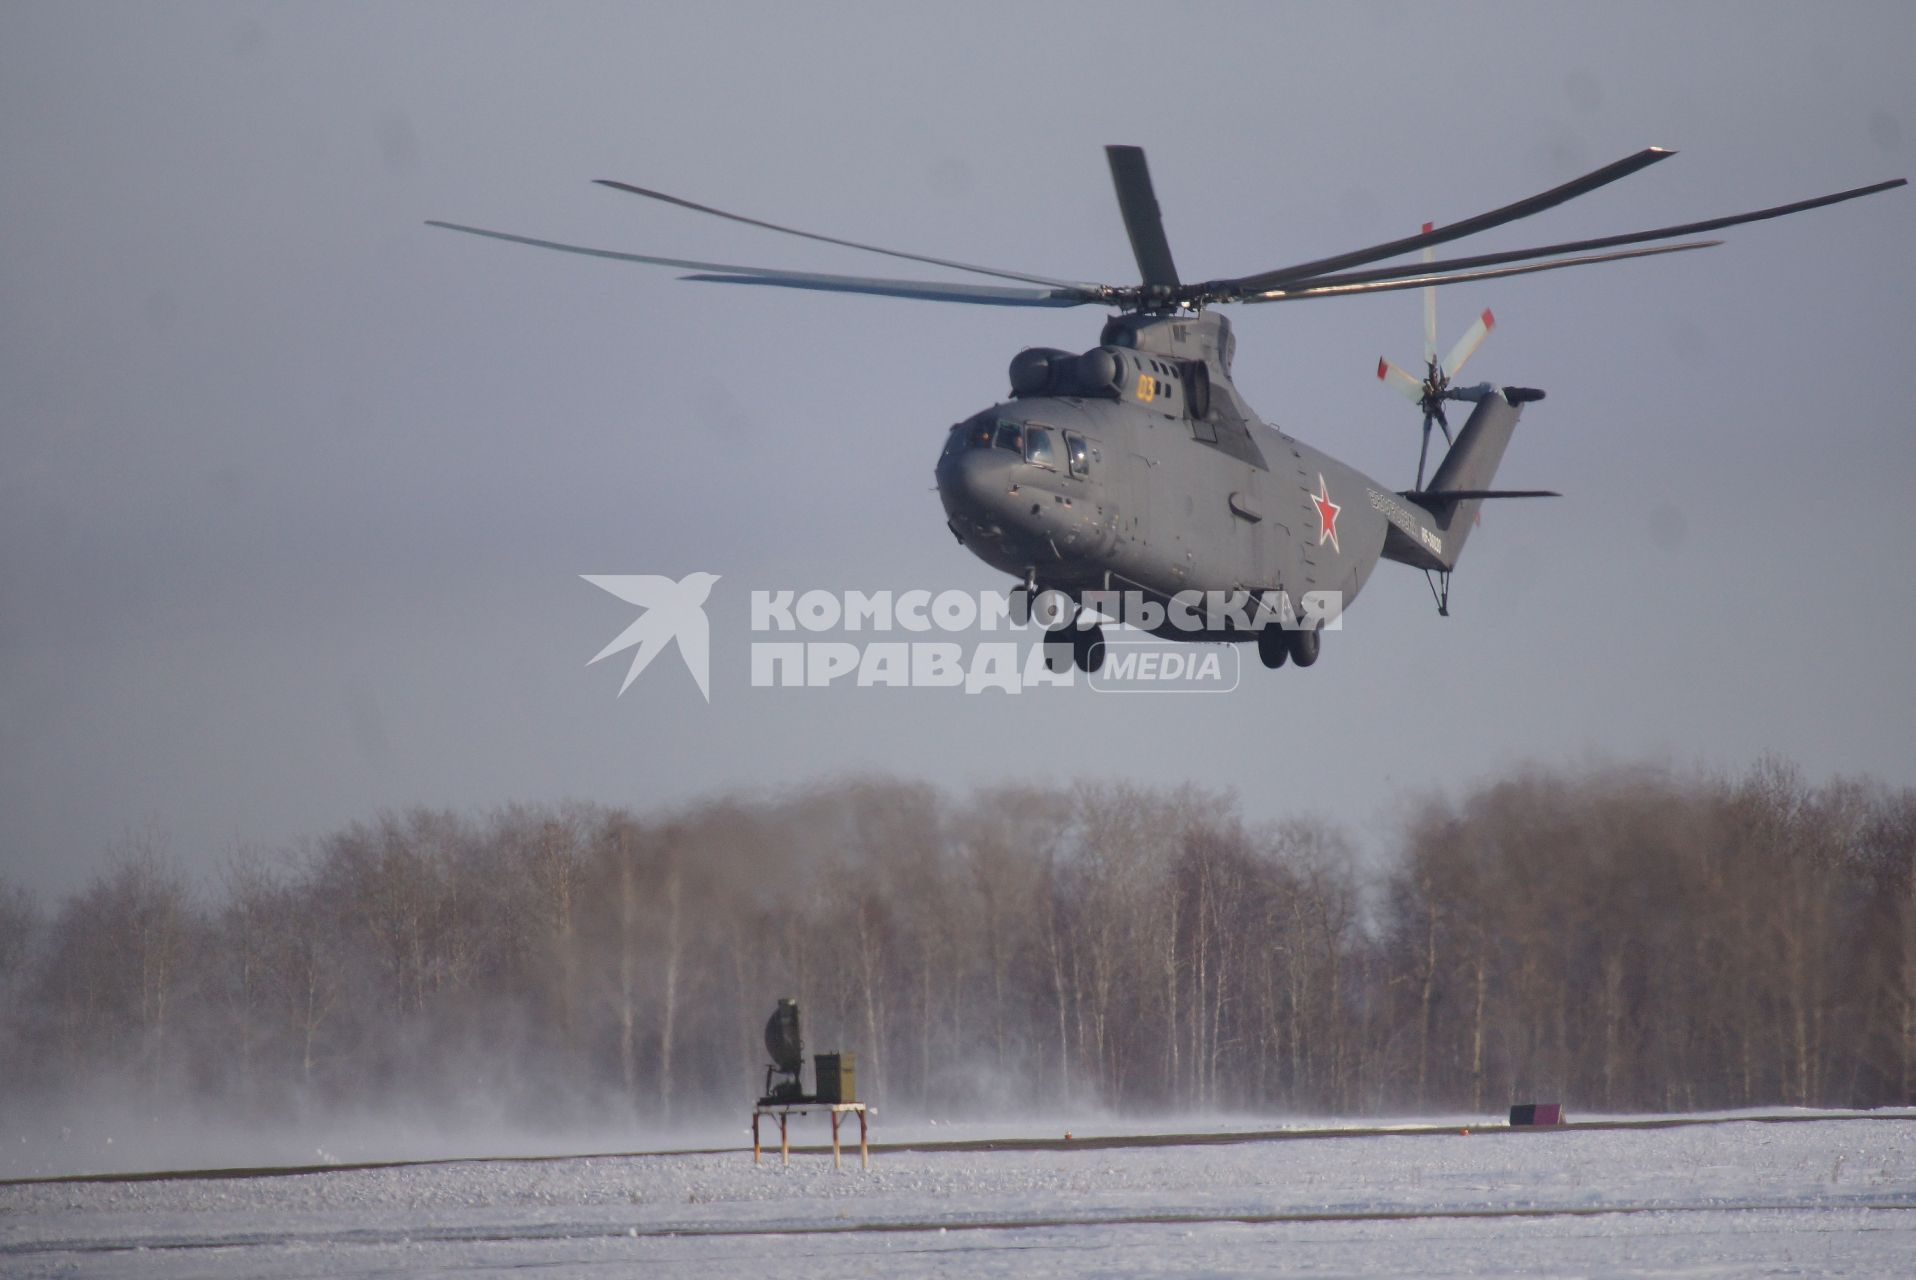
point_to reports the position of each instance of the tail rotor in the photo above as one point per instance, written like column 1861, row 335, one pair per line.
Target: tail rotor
column 1431, row 391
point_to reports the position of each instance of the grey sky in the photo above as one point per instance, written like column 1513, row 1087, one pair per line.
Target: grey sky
column 295, row 491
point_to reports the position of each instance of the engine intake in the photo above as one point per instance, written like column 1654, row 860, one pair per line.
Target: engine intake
column 1047, row 371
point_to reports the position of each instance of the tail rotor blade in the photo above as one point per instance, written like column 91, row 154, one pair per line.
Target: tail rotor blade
column 1410, row 388
column 1468, row 344
column 1430, row 305
column 1424, row 453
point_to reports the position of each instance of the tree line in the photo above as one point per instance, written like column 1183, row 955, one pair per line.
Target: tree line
column 1624, row 938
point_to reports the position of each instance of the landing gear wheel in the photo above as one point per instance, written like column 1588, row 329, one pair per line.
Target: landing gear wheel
column 1060, row 639
column 1273, row 647
column 1060, row 650
column 1087, row 648
column 1305, row 646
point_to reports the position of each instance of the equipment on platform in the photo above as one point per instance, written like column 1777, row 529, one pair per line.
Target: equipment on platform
column 837, row 1087
column 836, row 1075
column 783, row 1043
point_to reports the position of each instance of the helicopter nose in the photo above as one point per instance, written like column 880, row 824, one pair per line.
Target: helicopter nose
column 973, row 483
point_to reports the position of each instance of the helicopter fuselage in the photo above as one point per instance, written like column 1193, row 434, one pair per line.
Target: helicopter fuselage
column 1137, row 467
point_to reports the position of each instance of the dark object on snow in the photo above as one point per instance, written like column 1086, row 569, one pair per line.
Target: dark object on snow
column 1536, row 1114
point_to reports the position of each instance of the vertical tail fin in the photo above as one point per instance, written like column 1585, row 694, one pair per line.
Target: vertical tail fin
column 1471, row 464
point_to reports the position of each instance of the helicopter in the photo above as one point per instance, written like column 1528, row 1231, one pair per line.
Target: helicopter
column 1131, row 481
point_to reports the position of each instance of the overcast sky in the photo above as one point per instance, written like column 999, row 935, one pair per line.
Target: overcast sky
column 295, row 491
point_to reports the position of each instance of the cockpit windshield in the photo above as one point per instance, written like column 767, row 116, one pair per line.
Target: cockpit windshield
column 1038, row 447
column 999, row 433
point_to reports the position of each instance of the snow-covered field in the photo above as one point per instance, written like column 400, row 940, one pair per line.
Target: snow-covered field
column 1737, row 1196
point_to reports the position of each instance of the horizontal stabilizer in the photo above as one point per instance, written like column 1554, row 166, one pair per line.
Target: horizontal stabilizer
column 1428, row 496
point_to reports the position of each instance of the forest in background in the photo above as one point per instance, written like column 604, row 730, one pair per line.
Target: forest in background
column 1618, row 939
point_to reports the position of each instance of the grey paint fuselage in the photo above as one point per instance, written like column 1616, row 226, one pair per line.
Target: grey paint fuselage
column 1171, row 500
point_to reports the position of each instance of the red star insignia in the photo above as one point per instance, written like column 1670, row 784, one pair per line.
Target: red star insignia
column 1327, row 515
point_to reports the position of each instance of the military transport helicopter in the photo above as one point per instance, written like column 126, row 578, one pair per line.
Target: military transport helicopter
column 1134, row 472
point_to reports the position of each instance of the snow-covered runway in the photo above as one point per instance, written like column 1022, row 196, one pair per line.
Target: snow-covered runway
column 1740, row 1196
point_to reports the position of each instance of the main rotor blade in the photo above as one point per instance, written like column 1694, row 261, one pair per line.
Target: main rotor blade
column 1331, row 289
column 1456, row 230
column 1065, row 296
column 929, row 290
column 616, row 255
column 1461, row 495
column 1604, row 242
column 849, row 244
column 1142, row 221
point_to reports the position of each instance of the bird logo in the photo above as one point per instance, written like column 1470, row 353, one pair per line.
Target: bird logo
column 673, row 611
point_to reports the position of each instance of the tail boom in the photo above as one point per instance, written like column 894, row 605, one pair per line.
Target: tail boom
column 1428, row 527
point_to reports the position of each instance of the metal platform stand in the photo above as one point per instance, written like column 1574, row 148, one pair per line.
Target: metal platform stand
column 784, row 1111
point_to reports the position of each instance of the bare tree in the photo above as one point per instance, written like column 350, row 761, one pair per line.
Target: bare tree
column 1620, row 937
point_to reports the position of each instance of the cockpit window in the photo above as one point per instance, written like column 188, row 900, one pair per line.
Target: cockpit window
column 978, row 434
column 1038, row 447
column 1011, row 436
column 1079, row 454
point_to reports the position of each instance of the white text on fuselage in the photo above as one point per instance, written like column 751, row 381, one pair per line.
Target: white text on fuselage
column 1399, row 515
